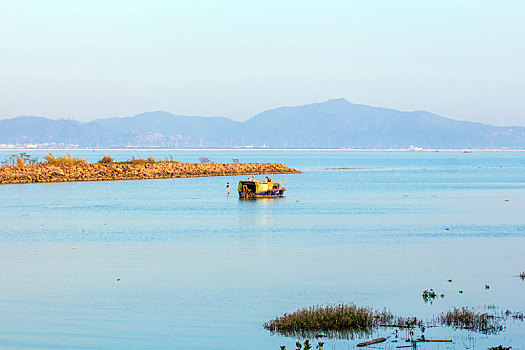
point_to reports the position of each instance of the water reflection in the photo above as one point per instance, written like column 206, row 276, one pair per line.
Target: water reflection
column 200, row 270
column 259, row 212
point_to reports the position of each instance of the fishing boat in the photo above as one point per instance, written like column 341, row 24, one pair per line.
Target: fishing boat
column 253, row 189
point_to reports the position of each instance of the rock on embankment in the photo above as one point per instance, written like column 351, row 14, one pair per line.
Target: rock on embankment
column 111, row 172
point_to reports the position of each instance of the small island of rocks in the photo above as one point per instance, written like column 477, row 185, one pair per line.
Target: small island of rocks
column 70, row 169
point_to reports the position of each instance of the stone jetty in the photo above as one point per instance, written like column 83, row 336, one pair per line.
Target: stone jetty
column 45, row 173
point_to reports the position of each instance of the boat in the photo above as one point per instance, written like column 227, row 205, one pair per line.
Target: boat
column 252, row 189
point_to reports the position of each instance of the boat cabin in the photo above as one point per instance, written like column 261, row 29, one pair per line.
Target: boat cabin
column 260, row 189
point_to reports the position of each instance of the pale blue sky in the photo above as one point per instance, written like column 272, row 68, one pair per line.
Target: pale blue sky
column 92, row 59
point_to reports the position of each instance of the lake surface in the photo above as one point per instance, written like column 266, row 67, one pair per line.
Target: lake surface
column 177, row 263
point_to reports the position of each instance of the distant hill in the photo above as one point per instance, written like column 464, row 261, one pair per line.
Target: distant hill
column 38, row 130
column 163, row 129
column 331, row 124
column 339, row 123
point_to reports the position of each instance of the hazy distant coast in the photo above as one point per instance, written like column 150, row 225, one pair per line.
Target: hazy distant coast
column 334, row 124
column 267, row 149
column 45, row 173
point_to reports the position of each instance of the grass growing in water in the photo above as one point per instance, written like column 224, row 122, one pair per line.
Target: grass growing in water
column 467, row 318
column 346, row 321
column 336, row 320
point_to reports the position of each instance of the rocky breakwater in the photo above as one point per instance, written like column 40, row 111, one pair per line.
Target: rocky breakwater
column 43, row 173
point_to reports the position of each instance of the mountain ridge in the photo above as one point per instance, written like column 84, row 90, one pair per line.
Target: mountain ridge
column 335, row 123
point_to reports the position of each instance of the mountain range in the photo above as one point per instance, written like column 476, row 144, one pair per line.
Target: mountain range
column 335, row 123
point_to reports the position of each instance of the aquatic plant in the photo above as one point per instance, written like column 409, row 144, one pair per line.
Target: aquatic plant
column 307, row 345
column 467, row 318
column 340, row 320
column 516, row 315
column 346, row 321
column 429, row 295
column 50, row 159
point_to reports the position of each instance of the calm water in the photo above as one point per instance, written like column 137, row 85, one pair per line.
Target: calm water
column 177, row 263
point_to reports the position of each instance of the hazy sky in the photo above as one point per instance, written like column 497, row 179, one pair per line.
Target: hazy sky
column 92, row 59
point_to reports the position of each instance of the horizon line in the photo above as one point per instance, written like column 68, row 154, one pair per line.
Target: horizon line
column 417, row 149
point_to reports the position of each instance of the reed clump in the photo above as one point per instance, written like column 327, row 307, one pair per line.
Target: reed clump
column 140, row 161
column 67, row 159
column 470, row 319
column 149, row 160
column 107, row 159
column 334, row 318
column 346, row 321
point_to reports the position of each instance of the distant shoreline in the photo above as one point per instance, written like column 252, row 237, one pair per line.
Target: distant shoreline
column 265, row 149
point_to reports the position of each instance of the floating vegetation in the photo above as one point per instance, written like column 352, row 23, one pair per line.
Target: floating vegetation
column 470, row 319
column 337, row 321
column 305, row 346
column 429, row 295
column 516, row 315
column 348, row 321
